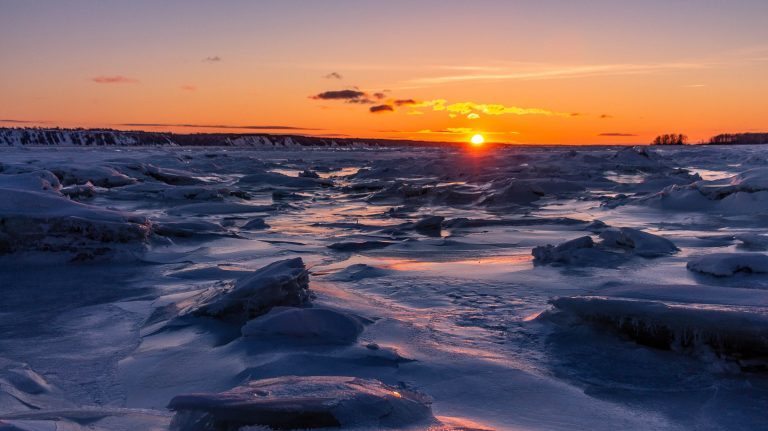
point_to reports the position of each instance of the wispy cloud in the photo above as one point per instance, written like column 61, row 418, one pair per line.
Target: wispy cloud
column 558, row 72
column 10, row 121
column 215, row 126
column 212, row 59
column 333, row 75
column 617, row 134
column 188, row 87
column 467, row 108
column 114, row 79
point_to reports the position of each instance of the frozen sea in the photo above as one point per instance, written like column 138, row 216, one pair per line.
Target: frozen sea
column 522, row 288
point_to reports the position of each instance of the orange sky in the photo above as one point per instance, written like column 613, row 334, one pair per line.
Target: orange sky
column 553, row 72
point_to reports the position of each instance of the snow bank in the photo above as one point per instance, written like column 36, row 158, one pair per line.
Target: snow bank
column 21, row 388
column 281, row 283
column 727, row 264
column 309, row 324
column 303, row 402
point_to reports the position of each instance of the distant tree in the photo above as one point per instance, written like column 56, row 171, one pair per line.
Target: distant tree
column 670, row 139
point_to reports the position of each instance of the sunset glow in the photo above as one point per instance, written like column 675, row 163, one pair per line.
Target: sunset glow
column 477, row 140
column 527, row 73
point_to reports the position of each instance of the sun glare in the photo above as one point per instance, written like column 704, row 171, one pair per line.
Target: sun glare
column 477, row 140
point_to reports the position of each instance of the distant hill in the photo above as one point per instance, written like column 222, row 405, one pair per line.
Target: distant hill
column 739, row 139
column 23, row 136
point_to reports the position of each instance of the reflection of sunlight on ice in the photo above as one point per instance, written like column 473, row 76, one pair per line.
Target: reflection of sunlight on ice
column 457, row 423
column 520, row 260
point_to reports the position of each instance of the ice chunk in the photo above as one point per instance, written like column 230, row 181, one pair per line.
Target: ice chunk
column 277, row 179
column 359, row 246
column 431, row 225
column 726, row 264
column 639, row 242
column 47, row 221
column 584, row 251
column 293, row 402
column 358, row 271
column 580, row 251
column 32, row 181
column 170, row 176
column 100, row 176
column 256, row 224
column 309, row 324
column 678, row 321
column 187, row 228
column 281, row 283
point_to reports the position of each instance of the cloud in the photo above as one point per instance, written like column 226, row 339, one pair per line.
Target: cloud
column 333, row 75
column 21, row 121
column 381, row 109
column 380, row 95
column 405, row 102
column 349, row 96
column 617, row 135
column 215, row 126
column 448, row 131
column 212, row 59
column 114, row 79
column 465, row 108
column 537, row 72
column 188, row 87
column 604, row 116
column 472, row 116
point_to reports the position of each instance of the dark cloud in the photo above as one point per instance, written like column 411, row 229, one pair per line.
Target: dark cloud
column 606, row 116
column 405, row 102
column 340, row 95
column 213, row 59
column 349, row 96
column 114, row 79
column 333, row 75
column 380, row 95
column 617, row 135
column 381, row 109
column 215, row 126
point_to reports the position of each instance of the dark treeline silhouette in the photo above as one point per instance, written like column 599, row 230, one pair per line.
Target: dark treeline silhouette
column 739, row 139
column 110, row 137
column 671, row 139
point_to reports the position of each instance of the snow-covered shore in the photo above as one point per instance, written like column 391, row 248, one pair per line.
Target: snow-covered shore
column 537, row 288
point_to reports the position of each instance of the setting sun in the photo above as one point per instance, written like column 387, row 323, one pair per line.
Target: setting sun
column 477, row 140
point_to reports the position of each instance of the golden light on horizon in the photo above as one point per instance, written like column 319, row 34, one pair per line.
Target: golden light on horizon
column 477, row 139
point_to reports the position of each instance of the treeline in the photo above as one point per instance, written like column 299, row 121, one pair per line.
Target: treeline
column 739, row 139
column 671, row 139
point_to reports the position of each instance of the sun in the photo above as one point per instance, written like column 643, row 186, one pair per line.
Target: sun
column 477, row 139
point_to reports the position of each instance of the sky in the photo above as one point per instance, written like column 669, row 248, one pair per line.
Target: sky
column 537, row 72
